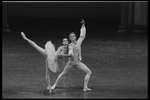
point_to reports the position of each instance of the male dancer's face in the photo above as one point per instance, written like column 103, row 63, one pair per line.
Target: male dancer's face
column 72, row 37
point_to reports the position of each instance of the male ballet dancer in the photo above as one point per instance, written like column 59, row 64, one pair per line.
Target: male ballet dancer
column 50, row 56
column 75, row 57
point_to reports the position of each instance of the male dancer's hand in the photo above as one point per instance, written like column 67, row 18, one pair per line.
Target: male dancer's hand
column 83, row 22
column 64, row 55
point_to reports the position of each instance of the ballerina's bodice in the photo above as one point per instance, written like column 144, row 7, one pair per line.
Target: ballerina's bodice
column 64, row 50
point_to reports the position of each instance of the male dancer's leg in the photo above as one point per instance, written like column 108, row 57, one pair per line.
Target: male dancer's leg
column 84, row 68
column 66, row 69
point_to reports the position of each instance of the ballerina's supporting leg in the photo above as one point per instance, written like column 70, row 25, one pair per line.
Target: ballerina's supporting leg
column 47, row 77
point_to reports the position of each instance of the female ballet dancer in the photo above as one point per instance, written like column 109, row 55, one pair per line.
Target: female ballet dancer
column 51, row 56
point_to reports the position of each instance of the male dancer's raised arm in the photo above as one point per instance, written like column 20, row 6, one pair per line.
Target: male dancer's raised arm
column 82, row 32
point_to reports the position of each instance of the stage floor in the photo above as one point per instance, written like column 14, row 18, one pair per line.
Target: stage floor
column 119, row 70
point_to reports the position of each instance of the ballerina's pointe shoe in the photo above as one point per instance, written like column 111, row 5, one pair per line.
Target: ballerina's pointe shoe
column 23, row 35
column 49, row 88
column 86, row 89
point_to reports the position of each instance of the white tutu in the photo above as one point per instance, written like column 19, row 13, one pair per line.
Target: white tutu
column 51, row 56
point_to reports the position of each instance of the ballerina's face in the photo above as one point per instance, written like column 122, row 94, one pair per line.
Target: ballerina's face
column 65, row 41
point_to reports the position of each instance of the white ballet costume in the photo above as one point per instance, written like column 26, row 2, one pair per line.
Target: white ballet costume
column 51, row 56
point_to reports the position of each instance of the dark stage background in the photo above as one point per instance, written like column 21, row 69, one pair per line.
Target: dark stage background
column 48, row 18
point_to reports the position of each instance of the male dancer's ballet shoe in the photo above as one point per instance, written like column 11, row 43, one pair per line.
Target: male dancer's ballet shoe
column 83, row 22
column 53, row 87
column 86, row 89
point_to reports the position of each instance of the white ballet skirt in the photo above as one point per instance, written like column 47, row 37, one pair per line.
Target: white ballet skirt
column 51, row 56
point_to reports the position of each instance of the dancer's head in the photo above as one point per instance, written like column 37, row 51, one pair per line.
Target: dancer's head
column 65, row 41
column 72, row 36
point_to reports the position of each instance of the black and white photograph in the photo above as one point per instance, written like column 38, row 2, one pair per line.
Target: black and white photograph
column 74, row 49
